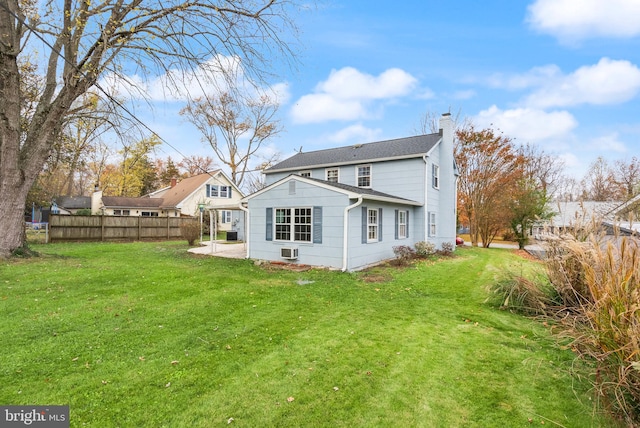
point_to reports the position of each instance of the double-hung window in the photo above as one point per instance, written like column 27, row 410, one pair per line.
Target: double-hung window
column 333, row 175
column 402, row 224
column 218, row 191
column 293, row 224
column 305, row 173
column 435, row 176
column 225, row 216
column 372, row 225
column 432, row 223
column 364, row 176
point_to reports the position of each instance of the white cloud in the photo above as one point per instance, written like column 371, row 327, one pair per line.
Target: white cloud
column 607, row 144
column 573, row 20
column 349, row 83
column 465, row 94
column 527, row 125
column 355, row 134
column 323, row 107
column 537, row 76
column 607, row 82
column 349, row 94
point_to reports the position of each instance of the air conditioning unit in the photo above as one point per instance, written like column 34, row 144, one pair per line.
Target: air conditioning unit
column 289, row 253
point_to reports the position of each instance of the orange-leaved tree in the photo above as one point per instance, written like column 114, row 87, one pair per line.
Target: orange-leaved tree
column 490, row 166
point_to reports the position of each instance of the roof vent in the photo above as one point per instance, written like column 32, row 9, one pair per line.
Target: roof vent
column 357, row 146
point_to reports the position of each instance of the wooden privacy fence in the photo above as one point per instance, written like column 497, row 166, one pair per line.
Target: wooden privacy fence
column 111, row 228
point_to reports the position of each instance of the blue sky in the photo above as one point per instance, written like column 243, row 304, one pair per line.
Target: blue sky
column 561, row 74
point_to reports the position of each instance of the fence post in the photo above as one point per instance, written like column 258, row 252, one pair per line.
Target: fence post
column 139, row 226
column 102, row 228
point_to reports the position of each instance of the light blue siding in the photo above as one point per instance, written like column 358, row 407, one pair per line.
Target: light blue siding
column 328, row 252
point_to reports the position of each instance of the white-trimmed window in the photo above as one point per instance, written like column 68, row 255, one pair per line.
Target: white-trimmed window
column 432, row 224
column 149, row 214
column 293, row 224
column 333, row 175
column 363, row 178
column 304, row 173
column 213, row 191
column 435, row 176
column 402, row 224
column 121, row 212
column 225, row 216
column 372, row 225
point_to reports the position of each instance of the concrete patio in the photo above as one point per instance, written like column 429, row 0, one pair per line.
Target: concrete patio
column 221, row 249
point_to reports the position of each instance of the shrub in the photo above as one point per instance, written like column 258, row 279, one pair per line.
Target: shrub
column 190, row 231
column 404, row 254
column 84, row 211
column 447, row 248
column 425, row 249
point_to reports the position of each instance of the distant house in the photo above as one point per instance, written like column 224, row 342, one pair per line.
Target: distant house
column 609, row 215
column 210, row 191
column 70, row 204
column 347, row 207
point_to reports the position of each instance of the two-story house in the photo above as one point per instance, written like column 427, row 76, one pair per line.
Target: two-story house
column 347, row 207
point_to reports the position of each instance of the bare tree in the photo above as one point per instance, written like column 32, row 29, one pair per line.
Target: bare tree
column 194, row 165
column 598, row 182
column 545, row 170
column 235, row 128
column 626, row 176
column 87, row 40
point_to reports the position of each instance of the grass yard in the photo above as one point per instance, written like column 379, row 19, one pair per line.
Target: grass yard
column 146, row 335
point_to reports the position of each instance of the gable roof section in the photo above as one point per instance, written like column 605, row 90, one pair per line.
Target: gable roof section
column 73, row 202
column 351, row 191
column 182, row 190
column 400, row 148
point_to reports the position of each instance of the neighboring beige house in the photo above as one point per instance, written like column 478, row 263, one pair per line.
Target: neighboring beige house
column 211, row 190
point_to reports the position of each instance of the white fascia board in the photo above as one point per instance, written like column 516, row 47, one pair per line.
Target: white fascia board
column 360, row 162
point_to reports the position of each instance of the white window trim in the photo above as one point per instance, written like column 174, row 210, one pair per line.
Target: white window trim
column 370, row 175
column 302, row 173
column 402, row 234
column 432, row 224
column 374, row 225
column 326, row 174
column 435, row 176
column 292, row 224
column 225, row 216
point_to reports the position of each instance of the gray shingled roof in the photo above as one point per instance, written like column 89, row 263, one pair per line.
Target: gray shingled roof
column 73, row 202
column 359, row 190
column 124, row 202
column 360, row 153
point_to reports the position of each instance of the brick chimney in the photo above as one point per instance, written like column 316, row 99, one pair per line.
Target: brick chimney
column 173, row 182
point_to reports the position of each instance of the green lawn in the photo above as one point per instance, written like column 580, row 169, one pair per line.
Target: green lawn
column 144, row 334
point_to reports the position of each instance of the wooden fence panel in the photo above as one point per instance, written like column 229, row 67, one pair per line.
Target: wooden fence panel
column 114, row 228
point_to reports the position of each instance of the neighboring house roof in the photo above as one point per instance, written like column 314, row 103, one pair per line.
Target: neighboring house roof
column 400, row 148
column 571, row 213
column 73, row 202
column 351, row 191
column 182, row 190
column 124, row 202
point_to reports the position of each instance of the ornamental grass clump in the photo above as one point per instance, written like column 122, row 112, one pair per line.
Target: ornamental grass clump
column 598, row 283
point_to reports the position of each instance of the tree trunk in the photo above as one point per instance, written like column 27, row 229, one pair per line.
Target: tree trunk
column 12, row 206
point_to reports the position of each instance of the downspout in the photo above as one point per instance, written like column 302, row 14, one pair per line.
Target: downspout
column 345, row 231
column 246, row 228
column 425, row 158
